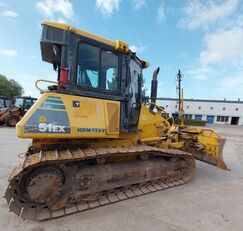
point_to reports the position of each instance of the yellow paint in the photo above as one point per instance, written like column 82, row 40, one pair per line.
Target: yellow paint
column 121, row 46
column 152, row 125
column 207, row 143
column 212, row 145
column 42, row 119
column 177, row 145
column 40, row 143
column 145, row 64
column 151, row 139
column 92, row 113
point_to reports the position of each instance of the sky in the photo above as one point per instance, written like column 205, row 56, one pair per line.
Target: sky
column 202, row 38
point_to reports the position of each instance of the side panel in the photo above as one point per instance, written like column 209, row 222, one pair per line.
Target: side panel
column 152, row 125
column 67, row 116
column 112, row 118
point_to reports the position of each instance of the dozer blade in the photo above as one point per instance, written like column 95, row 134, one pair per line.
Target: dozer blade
column 205, row 145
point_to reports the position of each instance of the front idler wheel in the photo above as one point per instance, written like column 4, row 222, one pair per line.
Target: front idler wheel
column 44, row 186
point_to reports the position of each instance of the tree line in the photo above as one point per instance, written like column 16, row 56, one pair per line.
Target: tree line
column 9, row 88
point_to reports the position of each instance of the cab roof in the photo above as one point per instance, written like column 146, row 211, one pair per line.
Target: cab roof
column 118, row 44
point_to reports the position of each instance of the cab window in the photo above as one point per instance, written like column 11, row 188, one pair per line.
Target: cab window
column 109, row 70
column 97, row 68
column 88, row 66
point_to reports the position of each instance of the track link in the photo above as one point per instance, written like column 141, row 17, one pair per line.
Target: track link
column 25, row 210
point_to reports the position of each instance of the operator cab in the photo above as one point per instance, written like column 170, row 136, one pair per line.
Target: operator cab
column 91, row 66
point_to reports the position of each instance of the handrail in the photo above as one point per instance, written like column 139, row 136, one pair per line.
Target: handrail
column 46, row 81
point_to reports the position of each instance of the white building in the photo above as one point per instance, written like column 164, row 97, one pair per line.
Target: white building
column 212, row 111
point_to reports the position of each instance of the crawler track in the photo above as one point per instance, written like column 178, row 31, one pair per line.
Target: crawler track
column 25, row 200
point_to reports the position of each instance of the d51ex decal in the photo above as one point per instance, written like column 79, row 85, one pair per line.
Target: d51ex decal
column 48, row 121
column 43, row 127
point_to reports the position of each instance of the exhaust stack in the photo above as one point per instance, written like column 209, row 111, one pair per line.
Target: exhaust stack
column 154, row 87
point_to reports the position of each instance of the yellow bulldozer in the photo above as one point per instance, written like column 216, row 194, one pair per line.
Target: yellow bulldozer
column 94, row 141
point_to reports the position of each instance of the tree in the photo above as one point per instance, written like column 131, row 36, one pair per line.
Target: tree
column 10, row 88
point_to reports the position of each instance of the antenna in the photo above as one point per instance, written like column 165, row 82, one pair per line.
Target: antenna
column 180, row 99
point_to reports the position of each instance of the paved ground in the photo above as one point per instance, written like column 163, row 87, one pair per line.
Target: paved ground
column 213, row 200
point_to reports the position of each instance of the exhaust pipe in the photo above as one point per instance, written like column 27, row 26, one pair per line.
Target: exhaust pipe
column 154, row 87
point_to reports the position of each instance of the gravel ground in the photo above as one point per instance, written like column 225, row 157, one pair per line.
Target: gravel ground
column 212, row 200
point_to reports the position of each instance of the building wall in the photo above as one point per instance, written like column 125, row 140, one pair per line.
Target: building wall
column 217, row 109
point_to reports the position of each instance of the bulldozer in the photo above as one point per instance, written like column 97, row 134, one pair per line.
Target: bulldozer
column 11, row 113
column 94, row 141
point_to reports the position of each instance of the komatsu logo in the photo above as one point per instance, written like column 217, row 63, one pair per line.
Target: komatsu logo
column 43, row 127
column 90, row 129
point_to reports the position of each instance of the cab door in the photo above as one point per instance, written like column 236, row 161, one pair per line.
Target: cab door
column 135, row 93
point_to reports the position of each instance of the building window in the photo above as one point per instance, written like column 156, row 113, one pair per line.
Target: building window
column 222, row 119
column 199, row 107
column 175, row 106
column 237, row 109
column 188, row 117
column 175, row 116
column 166, row 106
column 224, row 108
column 187, row 107
column 198, row 117
column 211, row 108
